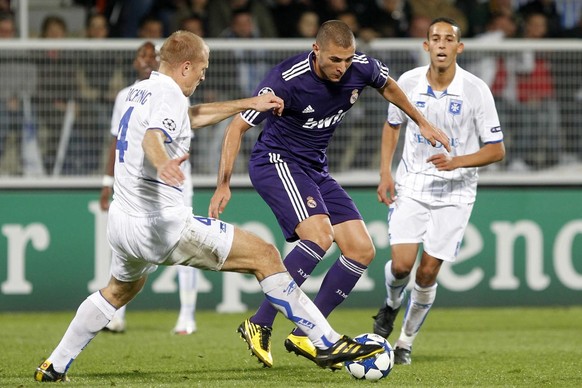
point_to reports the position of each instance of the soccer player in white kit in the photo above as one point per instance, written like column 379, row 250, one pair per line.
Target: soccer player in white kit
column 149, row 225
column 144, row 63
column 436, row 190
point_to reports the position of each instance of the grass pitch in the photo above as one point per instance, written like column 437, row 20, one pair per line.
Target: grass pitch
column 510, row 347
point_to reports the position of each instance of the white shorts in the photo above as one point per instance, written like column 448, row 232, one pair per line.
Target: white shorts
column 439, row 226
column 140, row 244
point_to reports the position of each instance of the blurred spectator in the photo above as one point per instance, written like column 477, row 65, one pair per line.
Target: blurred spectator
column 524, row 90
column 389, row 18
column 286, row 15
column 194, row 24
column 477, row 13
column 17, row 126
column 330, row 9
column 439, row 8
column 353, row 145
column 150, row 27
column 99, row 77
column 499, row 72
column 190, row 10
column 500, row 26
column 250, row 65
column 97, row 27
column 165, row 11
column 5, row 7
column 351, row 19
column 503, row 7
column 54, row 27
column 7, row 26
column 570, row 13
column 220, row 15
column 307, row 25
column 125, row 16
column 570, row 93
column 419, row 25
column 575, row 31
column 539, row 138
column 241, row 26
column 547, row 8
column 205, row 151
column 56, row 96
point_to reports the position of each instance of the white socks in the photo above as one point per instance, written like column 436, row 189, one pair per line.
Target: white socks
column 282, row 292
column 120, row 313
column 188, row 283
column 92, row 316
column 394, row 287
column 419, row 304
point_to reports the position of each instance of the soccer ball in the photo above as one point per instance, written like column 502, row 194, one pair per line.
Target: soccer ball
column 372, row 368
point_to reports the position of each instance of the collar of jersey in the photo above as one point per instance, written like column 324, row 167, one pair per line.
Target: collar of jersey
column 454, row 89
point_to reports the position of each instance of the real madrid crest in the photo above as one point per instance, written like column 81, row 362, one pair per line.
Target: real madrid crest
column 354, row 96
column 311, row 202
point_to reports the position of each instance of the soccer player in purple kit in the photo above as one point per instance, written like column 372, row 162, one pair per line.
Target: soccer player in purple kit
column 288, row 168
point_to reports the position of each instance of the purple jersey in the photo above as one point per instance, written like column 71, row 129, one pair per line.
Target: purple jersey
column 313, row 107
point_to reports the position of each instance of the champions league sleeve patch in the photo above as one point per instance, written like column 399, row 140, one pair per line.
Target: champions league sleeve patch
column 169, row 124
column 265, row 90
column 455, row 107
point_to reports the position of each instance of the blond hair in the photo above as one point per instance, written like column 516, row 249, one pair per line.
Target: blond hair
column 183, row 46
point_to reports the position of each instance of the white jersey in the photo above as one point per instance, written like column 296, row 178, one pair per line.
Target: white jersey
column 155, row 103
column 114, row 130
column 118, row 110
column 466, row 113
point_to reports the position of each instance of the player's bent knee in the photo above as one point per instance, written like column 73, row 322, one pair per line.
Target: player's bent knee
column 268, row 262
column 368, row 253
column 322, row 239
column 400, row 270
column 425, row 278
column 363, row 253
column 271, row 255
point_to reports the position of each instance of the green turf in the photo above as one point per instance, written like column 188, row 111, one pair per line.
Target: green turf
column 519, row 347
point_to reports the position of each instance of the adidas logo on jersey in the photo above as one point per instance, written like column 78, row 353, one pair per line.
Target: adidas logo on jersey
column 309, row 109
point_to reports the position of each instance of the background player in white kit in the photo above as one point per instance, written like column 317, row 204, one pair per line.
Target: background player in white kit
column 144, row 63
column 436, row 190
column 149, row 225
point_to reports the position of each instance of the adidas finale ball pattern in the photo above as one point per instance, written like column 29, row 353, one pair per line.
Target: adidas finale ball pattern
column 372, row 368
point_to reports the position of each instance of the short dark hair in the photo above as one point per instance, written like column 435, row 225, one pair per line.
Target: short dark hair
column 337, row 32
column 450, row 21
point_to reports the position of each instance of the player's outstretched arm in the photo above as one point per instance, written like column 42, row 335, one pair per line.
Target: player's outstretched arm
column 230, row 149
column 202, row 115
column 393, row 93
column 386, row 191
column 168, row 169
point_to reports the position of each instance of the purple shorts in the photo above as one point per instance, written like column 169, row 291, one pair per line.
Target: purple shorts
column 295, row 193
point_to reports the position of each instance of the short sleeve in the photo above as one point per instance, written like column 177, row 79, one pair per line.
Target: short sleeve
column 272, row 83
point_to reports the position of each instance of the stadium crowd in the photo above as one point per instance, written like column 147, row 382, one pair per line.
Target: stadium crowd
column 369, row 19
column 532, row 91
